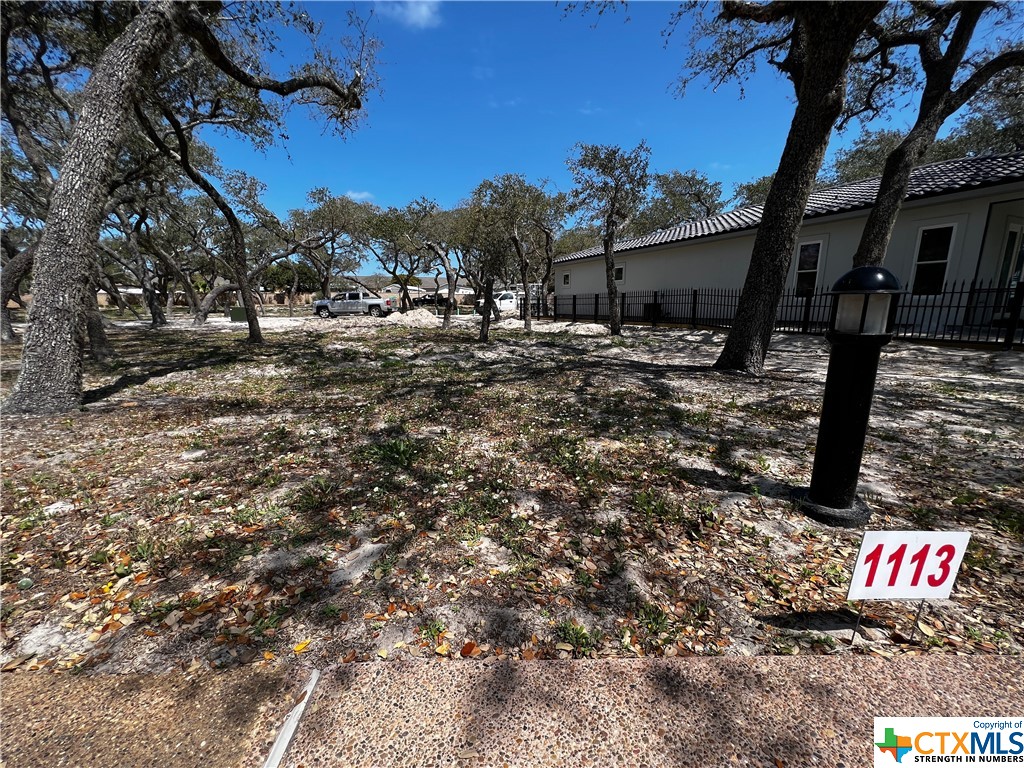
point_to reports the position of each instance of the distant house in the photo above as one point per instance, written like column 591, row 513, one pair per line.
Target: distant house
column 428, row 288
column 962, row 221
column 460, row 290
column 396, row 289
column 131, row 295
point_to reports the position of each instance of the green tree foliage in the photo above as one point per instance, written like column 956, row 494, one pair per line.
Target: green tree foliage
column 577, row 238
column 993, row 123
column 483, row 251
column 865, row 157
column 394, row 237
column 283, row 275
column 677, row 197
column 327, row 235
column 753, row 192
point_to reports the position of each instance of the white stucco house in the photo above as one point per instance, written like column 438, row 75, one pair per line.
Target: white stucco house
column 962, row 221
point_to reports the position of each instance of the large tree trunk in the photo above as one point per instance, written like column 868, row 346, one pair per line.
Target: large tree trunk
column 874, row 239
column 524, row 276
column 614, row 318
column 51, row 366
column 485, row 322
column 451, row 299
column 452, row 276
column 824, row 39
column 549, row 266
column 157, row 317
column 293, row 290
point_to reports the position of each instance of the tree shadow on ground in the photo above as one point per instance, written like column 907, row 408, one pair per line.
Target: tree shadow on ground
column 167, row 353
column 608, row 389
column 818, row 621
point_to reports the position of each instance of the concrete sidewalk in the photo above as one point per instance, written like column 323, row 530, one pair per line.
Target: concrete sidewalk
column 767, row 711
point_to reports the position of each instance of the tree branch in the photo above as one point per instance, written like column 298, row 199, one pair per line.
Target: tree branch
column 991, row 68
column 346, row 98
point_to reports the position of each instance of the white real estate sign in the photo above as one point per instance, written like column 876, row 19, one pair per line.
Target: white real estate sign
column 907, row 565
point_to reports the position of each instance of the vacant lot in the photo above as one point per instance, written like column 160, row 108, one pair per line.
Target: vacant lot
column 361, row 489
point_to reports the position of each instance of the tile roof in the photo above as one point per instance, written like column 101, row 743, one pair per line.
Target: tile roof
column 925, row 181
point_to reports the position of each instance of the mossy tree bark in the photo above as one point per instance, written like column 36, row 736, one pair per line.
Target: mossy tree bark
column 614, row 316
column 818, row 62
column 51, row 369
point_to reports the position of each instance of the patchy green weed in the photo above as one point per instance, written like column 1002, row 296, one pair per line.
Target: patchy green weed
column 576, row 635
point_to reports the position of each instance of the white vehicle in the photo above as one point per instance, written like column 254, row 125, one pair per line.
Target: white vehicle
column 505, row 301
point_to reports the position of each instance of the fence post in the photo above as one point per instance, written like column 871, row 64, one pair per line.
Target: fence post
column 597, row 298
column 805, row 326
column 622, row 307
column 574, row 307
column 693, row 309
column 1014, row 320
column 655, row 311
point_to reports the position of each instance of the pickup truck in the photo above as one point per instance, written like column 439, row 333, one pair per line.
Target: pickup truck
column 354, row 303
column 504, row 301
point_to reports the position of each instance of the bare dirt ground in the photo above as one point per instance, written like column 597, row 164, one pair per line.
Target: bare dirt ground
column 362, row 489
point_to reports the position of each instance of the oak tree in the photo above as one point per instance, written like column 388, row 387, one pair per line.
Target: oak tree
column 813, row 44
column 610, row 188
column 51, row 374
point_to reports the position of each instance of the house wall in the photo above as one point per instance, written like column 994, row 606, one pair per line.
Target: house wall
column 722, row 262
column 999, row 219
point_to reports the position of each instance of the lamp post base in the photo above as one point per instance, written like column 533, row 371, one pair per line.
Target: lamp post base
column 854, row 516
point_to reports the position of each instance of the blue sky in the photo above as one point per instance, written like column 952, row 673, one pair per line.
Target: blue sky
column 470, row 90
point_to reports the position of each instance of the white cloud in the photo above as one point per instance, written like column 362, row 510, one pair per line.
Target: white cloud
column 418, row 14
column 359, row 196
column 494, row 103
column 589, row 109
column 482, row 73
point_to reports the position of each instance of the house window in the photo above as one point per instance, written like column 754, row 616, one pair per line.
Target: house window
column 1013, row 257
column 933, row 247
column 807, row 259
column 565, row 279
column 618, row 273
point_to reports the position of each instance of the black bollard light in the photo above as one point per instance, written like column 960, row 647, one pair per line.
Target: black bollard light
column 863, row 314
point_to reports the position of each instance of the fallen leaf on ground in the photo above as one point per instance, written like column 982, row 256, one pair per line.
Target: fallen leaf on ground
column 15, row 663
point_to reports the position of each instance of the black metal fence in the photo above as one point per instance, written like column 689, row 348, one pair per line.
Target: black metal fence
column 966, row 312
